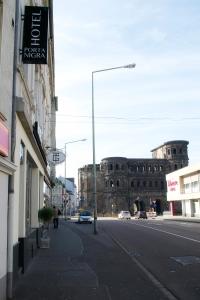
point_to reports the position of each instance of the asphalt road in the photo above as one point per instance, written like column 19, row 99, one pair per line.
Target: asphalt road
column 126, row 260
column 163, row 258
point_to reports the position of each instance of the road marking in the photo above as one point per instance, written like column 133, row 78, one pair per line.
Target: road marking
column 151, row 277
column 170, row 233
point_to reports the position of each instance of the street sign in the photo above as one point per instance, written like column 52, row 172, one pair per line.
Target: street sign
column 55, row 157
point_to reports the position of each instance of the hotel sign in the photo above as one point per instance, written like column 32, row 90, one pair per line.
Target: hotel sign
column 4, row 139
column 35, row 35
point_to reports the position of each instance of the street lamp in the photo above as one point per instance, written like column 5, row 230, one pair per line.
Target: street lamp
column 82, row 140
column 130, row 66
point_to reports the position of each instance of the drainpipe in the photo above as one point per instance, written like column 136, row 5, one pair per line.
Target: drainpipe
column 10, row 222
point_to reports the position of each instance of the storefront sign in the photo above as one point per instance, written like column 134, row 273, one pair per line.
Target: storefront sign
column 172, row 185
column 56, row 157
column 35, row 35
column 4, row 139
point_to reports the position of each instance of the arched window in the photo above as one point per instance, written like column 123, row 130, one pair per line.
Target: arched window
column 174, row 150
column 132, row 183
column 118, row 183
column 111, row 184
column 110, row 167
column 162, row 185
column 138, row 183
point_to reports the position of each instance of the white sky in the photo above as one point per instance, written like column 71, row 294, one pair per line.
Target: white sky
column 137, row 109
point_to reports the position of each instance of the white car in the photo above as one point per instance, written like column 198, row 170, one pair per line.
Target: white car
column 85, row 217
column 124, row 214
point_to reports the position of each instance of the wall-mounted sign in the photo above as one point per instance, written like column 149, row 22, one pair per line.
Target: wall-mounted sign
column 4, row 139
column 34, row 49
column 172, row 185
column 55, row 157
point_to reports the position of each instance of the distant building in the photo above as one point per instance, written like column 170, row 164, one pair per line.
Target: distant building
column 127, row 183
column 70, row 199
column 183, row 191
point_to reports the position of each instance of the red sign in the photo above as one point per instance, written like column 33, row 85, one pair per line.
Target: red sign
column 171, row 184
column 4, row 139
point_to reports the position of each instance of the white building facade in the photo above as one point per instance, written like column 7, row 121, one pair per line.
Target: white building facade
column 27, row 122
column 7, row 167
column 183, row 191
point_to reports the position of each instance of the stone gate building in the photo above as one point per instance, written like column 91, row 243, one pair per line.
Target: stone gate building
column 132, row 183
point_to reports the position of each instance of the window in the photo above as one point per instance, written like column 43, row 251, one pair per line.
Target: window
column 150, row 183
column 132, row 183
column 110, row 167
column 138, row 183
column 187, row 188
column 156, row 183
column 168, row 151
column 174, row 150
column 144, row 183
column 22, row 153
column 117, row 167
column 118, row 183
column 162, row 185
column 111, row 184
column 175, row 167
column 195, row 187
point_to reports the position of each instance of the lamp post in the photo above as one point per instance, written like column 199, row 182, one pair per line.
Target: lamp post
column 130, row 66
column 82, row 140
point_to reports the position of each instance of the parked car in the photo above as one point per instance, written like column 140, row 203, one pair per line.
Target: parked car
column 85, row 216
column 124, row 215
column 141, row 215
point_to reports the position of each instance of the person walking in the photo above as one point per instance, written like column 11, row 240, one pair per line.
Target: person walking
column 55, row 217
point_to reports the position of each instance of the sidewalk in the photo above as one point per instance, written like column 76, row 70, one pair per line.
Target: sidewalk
column 81, row 265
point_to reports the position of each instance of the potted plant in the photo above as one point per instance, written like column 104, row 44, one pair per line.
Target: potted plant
column 45, row 215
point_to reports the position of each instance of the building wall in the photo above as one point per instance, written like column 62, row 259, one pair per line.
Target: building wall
column 183, row 187
column 7, row 16
column 123, row 182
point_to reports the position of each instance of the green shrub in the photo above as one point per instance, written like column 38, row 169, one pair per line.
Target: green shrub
column 45, row 214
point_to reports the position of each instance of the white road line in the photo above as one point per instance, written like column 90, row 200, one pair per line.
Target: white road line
column 151, row 277
column 170, row 233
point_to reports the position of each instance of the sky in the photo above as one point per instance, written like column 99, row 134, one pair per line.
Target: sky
column 137, row 109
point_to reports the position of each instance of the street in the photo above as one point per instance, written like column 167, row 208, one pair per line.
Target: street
column 126, row 260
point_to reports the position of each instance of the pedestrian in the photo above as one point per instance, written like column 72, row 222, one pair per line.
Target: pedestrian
column 55, row 217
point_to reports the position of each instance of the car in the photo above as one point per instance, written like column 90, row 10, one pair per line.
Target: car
column 85, row 216
column 124, row 214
